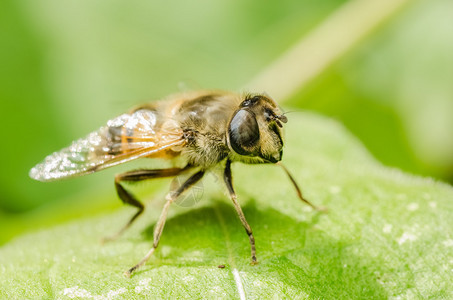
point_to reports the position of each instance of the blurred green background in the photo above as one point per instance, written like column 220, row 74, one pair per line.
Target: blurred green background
column 68, row 66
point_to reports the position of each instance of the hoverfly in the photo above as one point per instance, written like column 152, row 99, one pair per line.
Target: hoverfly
column 196, row 131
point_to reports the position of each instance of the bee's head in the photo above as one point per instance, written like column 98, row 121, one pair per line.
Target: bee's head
column 255, row 130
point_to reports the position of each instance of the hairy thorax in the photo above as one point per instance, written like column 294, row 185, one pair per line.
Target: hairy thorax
column 204, row 121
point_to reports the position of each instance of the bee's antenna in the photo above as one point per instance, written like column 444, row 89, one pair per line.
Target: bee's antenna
column 287, row 112
column 282, row 118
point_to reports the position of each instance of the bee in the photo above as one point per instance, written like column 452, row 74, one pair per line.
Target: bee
column 195, row 131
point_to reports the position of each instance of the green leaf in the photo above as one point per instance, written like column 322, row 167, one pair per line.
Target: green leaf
column 386, row 235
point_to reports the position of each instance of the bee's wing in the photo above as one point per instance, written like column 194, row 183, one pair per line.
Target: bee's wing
column 125, row 138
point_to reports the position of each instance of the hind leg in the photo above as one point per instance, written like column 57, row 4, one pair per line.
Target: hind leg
column 128, row 198
column 171, row 196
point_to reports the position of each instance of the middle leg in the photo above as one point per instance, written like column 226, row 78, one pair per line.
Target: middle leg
column 229, row 183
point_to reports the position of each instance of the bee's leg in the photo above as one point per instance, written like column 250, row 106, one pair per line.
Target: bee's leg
column 229, row 183
column 296, row 186
column 128, row 198
column 170, row 197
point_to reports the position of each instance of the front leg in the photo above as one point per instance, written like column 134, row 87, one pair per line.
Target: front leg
column 229, row 183
column 299, row 193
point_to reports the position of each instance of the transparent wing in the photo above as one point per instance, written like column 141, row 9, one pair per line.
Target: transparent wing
column 124, row 138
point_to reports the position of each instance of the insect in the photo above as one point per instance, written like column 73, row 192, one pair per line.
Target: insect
column 196, row 131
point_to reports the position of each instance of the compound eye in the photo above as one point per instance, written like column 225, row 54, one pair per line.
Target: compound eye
column 244, row 133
